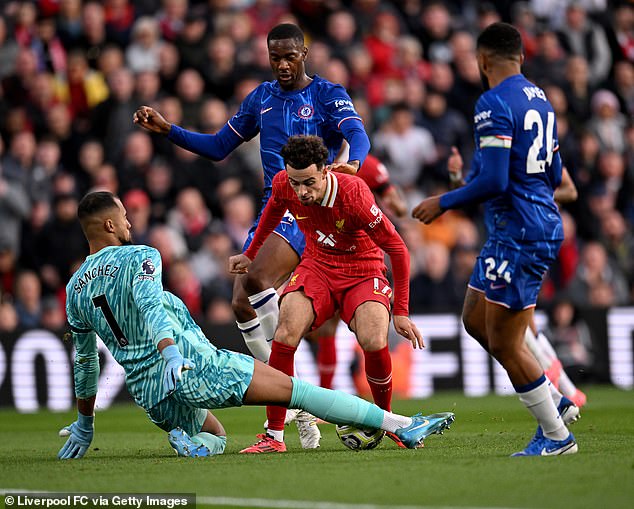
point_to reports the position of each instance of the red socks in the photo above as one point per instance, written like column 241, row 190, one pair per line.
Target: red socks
column 282, row 358
column 326, row 360
column 378, row 371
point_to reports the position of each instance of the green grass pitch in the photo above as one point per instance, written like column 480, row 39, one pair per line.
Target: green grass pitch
column 468, row 466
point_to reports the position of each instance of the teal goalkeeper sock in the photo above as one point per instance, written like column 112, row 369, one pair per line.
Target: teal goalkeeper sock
column 216, row 444
column 335, row 406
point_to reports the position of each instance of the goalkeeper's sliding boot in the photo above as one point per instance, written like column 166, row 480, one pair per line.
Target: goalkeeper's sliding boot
column 422, row 426
column 182, row 443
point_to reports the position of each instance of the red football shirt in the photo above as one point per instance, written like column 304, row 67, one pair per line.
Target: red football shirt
column 345, row 231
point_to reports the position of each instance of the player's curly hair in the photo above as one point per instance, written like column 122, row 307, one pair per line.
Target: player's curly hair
column 286, row 31
column 501, row 39
column 301, row 151
column 94, row 203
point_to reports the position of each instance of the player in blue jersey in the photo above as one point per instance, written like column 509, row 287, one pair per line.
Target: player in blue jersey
column 294, row 103
column 515, row 171
column 172, row 370
column 565, row 394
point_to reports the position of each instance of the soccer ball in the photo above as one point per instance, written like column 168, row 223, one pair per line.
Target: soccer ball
column 359, row 439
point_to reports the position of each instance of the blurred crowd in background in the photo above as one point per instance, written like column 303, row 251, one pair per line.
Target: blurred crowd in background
column 72, row 73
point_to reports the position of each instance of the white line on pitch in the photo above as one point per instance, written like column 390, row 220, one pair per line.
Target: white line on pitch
column 276, row 503
column 309, row 504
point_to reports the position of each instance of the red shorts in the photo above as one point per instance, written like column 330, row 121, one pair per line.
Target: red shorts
column 330, row 290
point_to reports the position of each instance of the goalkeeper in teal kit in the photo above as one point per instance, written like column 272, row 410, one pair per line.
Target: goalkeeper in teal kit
column 172, row 371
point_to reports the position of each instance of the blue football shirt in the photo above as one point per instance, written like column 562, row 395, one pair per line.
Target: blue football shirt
column 516, row 117
column 318, row 109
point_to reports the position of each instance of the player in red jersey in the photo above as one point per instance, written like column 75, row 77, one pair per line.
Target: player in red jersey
column 374, row 173
column 342, row 268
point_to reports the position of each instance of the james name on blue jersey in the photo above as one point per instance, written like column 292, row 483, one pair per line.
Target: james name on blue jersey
column 516, row 133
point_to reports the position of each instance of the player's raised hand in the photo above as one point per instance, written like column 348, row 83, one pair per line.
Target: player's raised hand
column 152, row 120
column 428, row 210
column 455, row 164
column 239, row 264
column 406, row 328
column 175, row 365
column 80, row 435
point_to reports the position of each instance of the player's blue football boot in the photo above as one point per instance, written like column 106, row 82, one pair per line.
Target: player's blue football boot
column 569, row 413
column 543, row 446
column 182, row 443
column 422, row 426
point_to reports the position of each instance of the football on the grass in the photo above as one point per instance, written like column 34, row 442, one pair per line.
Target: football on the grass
column 359, row 439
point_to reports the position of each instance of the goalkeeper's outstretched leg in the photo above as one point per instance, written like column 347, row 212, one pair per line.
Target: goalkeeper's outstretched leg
column 272, row 387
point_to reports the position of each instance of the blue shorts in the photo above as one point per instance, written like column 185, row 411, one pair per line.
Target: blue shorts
column 287, row 229
column 510, row 273
column 220, row 379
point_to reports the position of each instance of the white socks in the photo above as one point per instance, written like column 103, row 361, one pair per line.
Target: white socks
column 565, row 384
column 259, row 332
column 539, row 402
column 546, row 346
column 266, row 307
column 277, row 435
column 255, row 339
column 545, row 355
column 544, row 359
column 392, row 422
column 555, row 394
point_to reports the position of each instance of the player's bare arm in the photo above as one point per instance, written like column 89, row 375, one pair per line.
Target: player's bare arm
column 351, row 167
column 151, row 120
column 567, row 191
column 86, row 406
